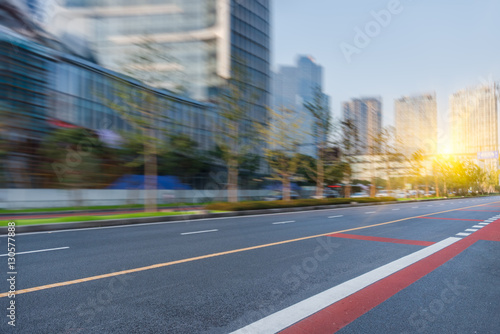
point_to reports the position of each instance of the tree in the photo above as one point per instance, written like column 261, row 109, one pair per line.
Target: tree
column 338, row 172
column 306, row 168
column 417, row 167
column 385, row 151
column 350, row 144
column 181, row 157
column 77, row 159
column 141, row 107
column 322, row 127
column 237, row 131
column 282, row 140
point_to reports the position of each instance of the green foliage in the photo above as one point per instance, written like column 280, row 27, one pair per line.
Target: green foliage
column 337, row 173
column 258, row 205
column 237, row 135
column 282, row 140
column 76, row 158
column 181, row 157
column 306, row 168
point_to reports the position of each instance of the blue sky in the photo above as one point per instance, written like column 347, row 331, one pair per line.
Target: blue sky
column 428, row 46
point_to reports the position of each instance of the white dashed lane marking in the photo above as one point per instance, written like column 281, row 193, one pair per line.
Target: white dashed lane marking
column 198, row 232
column 287, row 222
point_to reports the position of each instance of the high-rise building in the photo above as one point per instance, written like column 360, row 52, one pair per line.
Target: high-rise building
column 204, row 40
column 416, row 124
column 474, row 120
column 366, row 116
column 294, row 86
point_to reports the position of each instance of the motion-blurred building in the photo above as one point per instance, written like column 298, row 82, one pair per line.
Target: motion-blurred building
column 45, row 89
column 293, row 87
column 416, row 124
column 474, row 123
column 366, row 116
column 203, row 40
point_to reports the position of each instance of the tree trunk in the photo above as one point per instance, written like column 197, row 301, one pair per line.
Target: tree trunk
column 320, row 179
column 404, row 185
column 151, row 176
column 436, row 185
column 426, row 186
column 373, row 189
column 347, row 190
column 286, row 188
column 232, row 182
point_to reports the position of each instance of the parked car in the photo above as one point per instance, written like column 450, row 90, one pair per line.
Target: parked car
column 327, row 193
column 359, row 195
column 278, row 196
column 383, row 193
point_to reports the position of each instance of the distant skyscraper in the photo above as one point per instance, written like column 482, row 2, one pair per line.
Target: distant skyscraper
column 474, row 120
column 366, row 115
column 416, row 124
column 292, row 87
column 204, row 40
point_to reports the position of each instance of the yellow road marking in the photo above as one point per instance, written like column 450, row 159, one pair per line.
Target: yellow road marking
column 166, row 264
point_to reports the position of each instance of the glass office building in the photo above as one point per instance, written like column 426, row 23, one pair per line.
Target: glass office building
column 203, row 41
column 43, row 89
column 294, row 86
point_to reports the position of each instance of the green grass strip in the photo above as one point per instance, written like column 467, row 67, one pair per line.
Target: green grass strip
column 70, row 219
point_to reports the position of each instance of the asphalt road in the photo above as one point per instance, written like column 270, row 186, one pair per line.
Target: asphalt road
column 405, row 268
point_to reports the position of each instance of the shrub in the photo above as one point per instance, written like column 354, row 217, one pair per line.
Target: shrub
column 259, row 205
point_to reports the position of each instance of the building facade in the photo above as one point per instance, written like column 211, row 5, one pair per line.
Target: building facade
column 474, row 120
column 366, row 116
column 44, row 90
column 416, row 124
column 294, row 86
column 204, row 41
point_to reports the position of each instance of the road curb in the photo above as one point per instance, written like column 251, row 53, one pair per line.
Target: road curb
column 186, row 218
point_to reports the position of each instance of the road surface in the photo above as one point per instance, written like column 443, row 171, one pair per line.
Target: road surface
column 430, row 267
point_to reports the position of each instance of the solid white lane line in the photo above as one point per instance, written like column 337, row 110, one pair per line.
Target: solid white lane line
column 470, row 230
column 477, row 226
column 336, row 216
column 463, row 234
column 288, row 222
column 39, row 251
column 368, row 213
column 198, row 232
column 290, row 315
column 395, row 209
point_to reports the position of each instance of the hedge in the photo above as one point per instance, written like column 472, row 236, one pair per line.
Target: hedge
column 257, row 205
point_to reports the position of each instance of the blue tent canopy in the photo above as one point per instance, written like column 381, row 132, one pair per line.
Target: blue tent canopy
column 137, row 182
column 278, row 186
